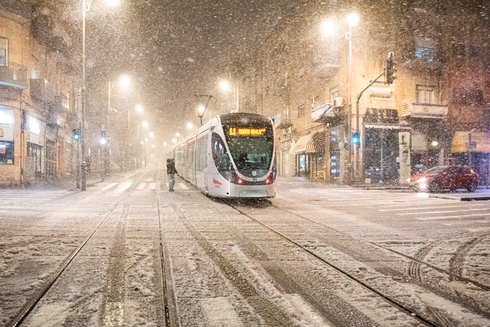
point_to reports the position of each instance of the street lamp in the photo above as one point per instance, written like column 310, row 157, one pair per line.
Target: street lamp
column 85, row 8
column 225, row 86
column 328, row 27
column 201, row 109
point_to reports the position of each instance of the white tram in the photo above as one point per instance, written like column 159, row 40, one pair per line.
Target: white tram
column 233, row 155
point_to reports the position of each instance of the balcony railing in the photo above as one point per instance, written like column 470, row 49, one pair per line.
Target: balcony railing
column 14, row 75
column 423, row 110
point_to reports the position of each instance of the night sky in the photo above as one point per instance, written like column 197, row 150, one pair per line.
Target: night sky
column 173, row 50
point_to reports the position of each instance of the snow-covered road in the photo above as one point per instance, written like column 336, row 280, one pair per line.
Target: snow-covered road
column 297, row 260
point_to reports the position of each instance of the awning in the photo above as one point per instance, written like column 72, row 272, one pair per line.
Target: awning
column 480, row 142
column 324, row 110
column 313, row 143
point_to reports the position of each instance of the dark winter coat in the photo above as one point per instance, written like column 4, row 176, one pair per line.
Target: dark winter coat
column 171, row 169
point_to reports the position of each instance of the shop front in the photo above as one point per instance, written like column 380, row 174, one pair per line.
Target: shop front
column 34, row 156
column 309, row 152
column 385, row 147
column 472, row 149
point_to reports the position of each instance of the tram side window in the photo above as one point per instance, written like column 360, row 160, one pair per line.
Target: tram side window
column 201, row 152
column 220, row 156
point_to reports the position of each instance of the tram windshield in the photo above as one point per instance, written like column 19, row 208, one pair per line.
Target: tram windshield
column 251, row 143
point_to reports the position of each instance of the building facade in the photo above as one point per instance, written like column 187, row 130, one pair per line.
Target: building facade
column 38, row 95
column 436, row 112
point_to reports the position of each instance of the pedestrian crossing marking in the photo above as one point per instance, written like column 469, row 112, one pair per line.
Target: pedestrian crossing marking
column 141, row 186
column 153, row 186
column 452, row 217
column 183, row 186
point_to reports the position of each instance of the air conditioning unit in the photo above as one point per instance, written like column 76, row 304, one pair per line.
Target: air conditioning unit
column 338, row 102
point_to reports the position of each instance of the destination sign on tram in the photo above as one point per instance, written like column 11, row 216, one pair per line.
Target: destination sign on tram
column 247, row 131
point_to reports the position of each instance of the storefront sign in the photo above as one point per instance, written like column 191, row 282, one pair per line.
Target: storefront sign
column 381, row 116
column 6, row 124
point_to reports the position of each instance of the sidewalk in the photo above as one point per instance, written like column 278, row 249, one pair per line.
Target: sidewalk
column 308, row 184
column 68, row 182
column 481, row 194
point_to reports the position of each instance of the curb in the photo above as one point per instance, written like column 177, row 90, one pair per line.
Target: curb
column 457, row 198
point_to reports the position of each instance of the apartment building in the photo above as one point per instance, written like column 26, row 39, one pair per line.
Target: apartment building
column 436, row 112
column 38, row 94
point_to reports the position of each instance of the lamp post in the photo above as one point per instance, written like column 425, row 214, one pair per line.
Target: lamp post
column 85, row 8
column 328, row 27
column 201, row 109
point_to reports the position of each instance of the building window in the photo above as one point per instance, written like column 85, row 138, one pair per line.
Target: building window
column 65, row 98
column 425, row 49
column 425, row 94
column 467, row 97
column 7, row 153
column 475, row 51
column 4, row 52
column 459, row 49
column 301, row 111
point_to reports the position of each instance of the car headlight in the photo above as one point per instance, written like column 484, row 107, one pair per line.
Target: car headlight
column 422, row 180
column 408, row 180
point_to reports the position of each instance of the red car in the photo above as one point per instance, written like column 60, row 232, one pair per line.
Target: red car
column 445, row 178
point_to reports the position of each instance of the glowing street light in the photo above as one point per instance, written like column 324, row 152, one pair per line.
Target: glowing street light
column 165, row 143
column 225, row 86
column 189, row 125
column 112, row 3
column 177, row 134
column 328, row 27
column 139, row 108
column 151, row 134
column 145, row 124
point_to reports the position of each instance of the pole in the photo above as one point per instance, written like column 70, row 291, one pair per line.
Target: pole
column 128, row 160
column 237, row 100
column 82, row 125
column 349, row 115
column 77, row 165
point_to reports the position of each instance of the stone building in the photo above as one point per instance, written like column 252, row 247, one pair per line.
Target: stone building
column 38, row 94
column 439, row 100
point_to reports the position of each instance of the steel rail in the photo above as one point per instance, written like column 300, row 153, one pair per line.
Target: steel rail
column 31, row 304
column 168, row 294
column 438, row 269
column 392, row 302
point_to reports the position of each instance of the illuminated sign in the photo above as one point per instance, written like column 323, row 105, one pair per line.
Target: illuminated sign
column 246, row 131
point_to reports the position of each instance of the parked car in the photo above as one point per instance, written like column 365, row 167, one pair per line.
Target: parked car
column 445, row 178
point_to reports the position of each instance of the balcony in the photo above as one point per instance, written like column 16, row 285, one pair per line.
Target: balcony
column 14, row 76
column 423, row 110
column 41, row 90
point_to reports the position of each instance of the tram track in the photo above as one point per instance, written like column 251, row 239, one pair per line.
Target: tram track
column 29, row 306
column 434, row 316
column 416, row 261
column 168, row 295
column 340, row 270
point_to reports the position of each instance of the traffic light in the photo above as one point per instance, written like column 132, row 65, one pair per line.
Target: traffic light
column 356, row 138
column 76, row 134
column 390, row 69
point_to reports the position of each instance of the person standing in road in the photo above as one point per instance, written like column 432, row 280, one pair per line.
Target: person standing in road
column 171, row 171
